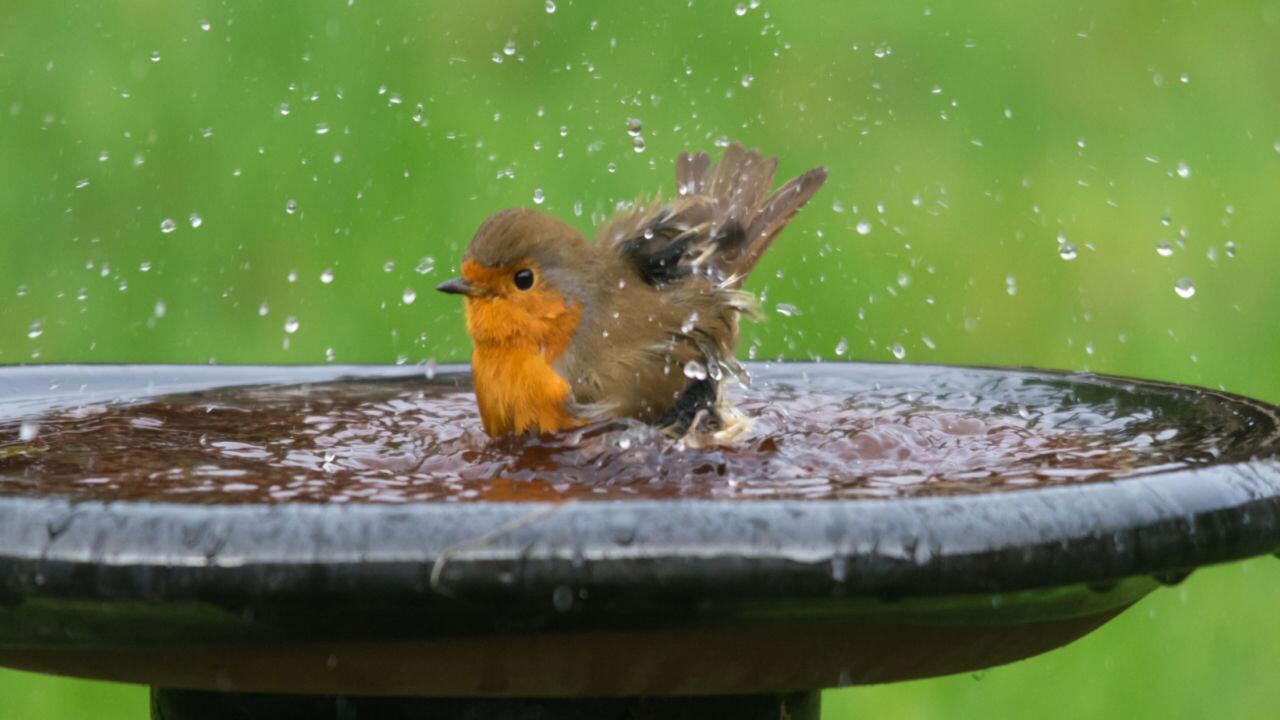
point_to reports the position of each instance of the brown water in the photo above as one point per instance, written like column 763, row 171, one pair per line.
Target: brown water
column 815, row 432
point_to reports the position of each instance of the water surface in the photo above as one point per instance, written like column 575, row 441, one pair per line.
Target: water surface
column 816, row 431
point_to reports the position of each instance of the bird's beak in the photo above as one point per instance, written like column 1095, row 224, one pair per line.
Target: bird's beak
column 457, row 286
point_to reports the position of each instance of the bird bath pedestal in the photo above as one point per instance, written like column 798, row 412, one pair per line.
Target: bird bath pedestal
column 644, row 608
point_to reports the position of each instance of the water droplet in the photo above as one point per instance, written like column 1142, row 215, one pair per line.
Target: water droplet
column 538, row 196
column 195, row 220
column 1230, row 247
column 283, row 109
column 863, row 227
column 842, row 347
column 291, row 206
column 326, row 276
column 35, row 331
column 82, row 183
column 740, row 9
column 291, row 324
column 1164, row 249
column 425, row 266
column 1184, row 288
column 1067, row 251
column 695, row 370
column 155, row 56
column 409, row 296
column 787, row 309
column 388, row 266
column 322, row 128
column 292, row 276
column 899, row 352
column 689, row 323
column 634, row 126
column 562, row 596
column 205, row 25
column 1011, row 285
column 144, row 266
column 510, row 48
column 550, row 6
column 747, row 80
column 263, row 309
column 1183, row 171
column 637, row 144
column 28, row 431
column 167, row 226
column 159, row 309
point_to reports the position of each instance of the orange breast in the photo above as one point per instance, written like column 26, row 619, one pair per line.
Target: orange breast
column 518, row 391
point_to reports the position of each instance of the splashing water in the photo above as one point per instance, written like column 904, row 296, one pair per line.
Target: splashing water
column 815, row 431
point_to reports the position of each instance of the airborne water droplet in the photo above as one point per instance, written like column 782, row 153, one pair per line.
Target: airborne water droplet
column 1230, row 247
column 425, row 266
column 637, row 144
column 167, row 226
column 538, row 196
column 787, row 309
column 195, row 220
column 1067, row 251
column 1183, row 170
column 291, row 324
column 634, row 126
column 409, row 296
column 550, row 6
column 695, row 370
column 291, row 206
column 263, row 309
column 35, row 331
column 1164, row 249
column 740, row 9
column 863, row 227
column 326, row 277
column 842, row 347
column 1184, row 288
column 28, row 431
column 899, row 352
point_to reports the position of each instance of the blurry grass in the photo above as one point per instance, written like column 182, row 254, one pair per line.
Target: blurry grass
column 1206, row 648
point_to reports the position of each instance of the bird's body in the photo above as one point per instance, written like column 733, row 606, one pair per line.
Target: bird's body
column 642, row 322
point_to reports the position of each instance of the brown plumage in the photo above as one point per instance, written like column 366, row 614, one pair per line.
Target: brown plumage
column 641, row 323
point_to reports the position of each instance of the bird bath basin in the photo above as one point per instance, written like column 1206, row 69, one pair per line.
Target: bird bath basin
column 267, row 542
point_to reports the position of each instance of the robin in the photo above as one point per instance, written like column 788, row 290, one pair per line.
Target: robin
column 641, row 323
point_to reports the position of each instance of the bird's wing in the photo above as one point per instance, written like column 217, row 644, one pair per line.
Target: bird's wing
column 719, row 224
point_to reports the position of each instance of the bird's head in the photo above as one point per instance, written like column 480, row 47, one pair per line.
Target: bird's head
column 523, row 278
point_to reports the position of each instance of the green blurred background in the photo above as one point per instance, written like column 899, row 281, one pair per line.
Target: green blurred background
column 181, row 181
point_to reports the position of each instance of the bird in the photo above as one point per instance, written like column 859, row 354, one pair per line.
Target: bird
column 642, row 322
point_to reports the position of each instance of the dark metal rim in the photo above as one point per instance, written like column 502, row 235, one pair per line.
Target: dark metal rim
column 1160, row 524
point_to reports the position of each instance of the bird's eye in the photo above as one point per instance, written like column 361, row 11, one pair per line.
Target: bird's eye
column 524, row 279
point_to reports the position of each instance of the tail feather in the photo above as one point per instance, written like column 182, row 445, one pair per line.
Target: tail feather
column 775, row 214
column 744, row 222
column 720, row 220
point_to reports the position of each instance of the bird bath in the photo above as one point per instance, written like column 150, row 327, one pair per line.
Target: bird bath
column 269, row 542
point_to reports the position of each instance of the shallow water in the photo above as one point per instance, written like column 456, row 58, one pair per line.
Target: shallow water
column 816, row 431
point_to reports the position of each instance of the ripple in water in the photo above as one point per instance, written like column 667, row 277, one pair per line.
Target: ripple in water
column 817, row 432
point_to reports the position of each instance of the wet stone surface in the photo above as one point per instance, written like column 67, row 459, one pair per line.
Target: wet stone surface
column 815, row 432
